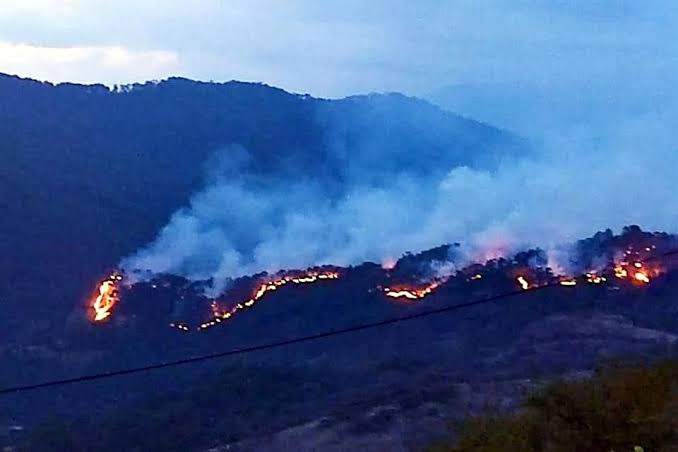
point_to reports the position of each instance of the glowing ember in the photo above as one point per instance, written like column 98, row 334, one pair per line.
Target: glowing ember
column 180, row 327
column 263, row 289
column 593, row 278
column 620, row 272
column 476, row 277
column 523, row 282
column 568, row 282
column 107, row 298
column 637, row 272
column 411, row 293
column 642, row 277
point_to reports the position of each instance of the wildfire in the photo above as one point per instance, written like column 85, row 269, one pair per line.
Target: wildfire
column 568, row 282
column 180, row 326
column 620, row 272
column 642, row 277
column 634, row 266
column 594, row 278
column 107, row 298
column 523, row 282
column 262, row 290
column 411, row 293
column 637, row 272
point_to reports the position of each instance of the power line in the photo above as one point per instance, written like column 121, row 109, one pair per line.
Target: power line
column 284, row 343
column 270, row 345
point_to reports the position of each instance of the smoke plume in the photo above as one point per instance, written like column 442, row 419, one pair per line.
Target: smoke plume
column 241, row 223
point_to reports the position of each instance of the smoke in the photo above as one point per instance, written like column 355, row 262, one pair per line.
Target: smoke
column 241, row 224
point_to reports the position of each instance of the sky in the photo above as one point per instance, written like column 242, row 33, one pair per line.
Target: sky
column 590, row 82
column 339, row 48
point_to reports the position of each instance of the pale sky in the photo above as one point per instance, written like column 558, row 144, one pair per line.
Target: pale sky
column 337, row 48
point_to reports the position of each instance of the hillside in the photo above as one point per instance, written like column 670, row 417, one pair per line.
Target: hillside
column 92, row 174
column 395, row 387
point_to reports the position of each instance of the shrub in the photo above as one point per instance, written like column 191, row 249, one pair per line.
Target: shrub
column 618, row 409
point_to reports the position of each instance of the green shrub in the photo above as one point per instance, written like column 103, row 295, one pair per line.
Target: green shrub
column 618, row 409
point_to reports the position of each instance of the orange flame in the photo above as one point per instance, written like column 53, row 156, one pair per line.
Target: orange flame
column 642, row 277
column 637, row 273
column 262, row 290
column 620, row 272
column 523, row 282
column 411, row 293
column 107, row 298
column 594, row 278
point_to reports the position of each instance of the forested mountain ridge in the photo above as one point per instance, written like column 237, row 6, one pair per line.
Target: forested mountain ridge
column 90, row 174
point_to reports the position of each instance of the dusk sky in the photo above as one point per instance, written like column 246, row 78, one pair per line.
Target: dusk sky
column 338, row 48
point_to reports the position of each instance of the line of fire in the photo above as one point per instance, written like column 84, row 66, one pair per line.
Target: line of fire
column 633, row 260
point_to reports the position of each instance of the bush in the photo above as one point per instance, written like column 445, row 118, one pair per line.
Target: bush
column 618, row 409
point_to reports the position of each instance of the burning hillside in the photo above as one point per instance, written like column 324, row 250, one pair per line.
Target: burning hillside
column 106, row 298
column 411, row 293
column 264, row 289
column 632, row 259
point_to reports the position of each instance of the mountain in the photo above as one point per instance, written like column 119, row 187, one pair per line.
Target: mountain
column 393, row 387
column 91, row 174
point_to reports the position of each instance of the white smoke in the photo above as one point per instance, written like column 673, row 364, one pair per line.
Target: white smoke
column 236, row 226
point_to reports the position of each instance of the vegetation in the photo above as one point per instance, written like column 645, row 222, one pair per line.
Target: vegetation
column 618, row 409
column 238, row 403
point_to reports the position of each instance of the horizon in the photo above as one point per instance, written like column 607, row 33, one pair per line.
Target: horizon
column 292, row 225
column 338, row 48
column 142, row 82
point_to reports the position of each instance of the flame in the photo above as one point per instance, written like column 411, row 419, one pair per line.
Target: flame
column 594, row 278
column 620, row 272
column 633, row 268
column 411, row 293
column 180, row 326
column 637, row 273
column 262, row 290
column 523, row 282
column 642, row 277
column 108, row 296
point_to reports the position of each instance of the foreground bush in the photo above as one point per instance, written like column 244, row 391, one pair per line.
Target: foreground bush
column 618, row 409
